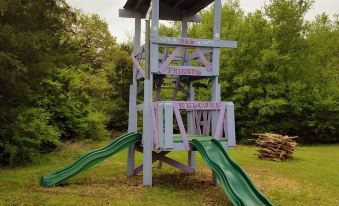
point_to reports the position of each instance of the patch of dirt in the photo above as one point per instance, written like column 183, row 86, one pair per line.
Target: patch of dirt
column 199, row 186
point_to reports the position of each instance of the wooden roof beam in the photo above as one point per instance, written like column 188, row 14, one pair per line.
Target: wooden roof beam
column 178, row 3
column 137, row 5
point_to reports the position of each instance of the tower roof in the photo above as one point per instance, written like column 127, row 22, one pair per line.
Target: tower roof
column 175, row 8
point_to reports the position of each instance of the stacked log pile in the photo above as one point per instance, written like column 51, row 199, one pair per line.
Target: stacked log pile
column 275, row 147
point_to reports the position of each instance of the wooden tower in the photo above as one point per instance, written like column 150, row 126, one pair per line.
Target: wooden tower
column 183, row 60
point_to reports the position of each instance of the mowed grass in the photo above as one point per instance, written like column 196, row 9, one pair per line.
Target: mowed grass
column 311, row 178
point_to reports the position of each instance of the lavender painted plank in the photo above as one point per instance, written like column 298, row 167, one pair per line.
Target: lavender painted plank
column 202, row 57
column 161, row 157
column 169, row 59
column 220, row 122
column 137, row 66
column 192, row 42
column 181, row 126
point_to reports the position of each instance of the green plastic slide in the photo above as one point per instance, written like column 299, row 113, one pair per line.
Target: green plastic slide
column 237, row 185
column 90, row 159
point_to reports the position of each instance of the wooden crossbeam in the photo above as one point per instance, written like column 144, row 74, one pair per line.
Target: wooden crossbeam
column 161, row 157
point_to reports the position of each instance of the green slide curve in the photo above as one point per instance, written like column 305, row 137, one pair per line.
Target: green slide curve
column 237, row 185
column 90, row 159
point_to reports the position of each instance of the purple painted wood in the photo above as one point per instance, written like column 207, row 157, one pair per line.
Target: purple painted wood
column 209, row 118
column 225, row 124
column 203, row 59
column 219, row 129
column 161, row 157
column 204, row 123
column 197, row 122
column 139, row 168
column 181, row 126
column 137, row 65
column 168, row 61
column 173, row 163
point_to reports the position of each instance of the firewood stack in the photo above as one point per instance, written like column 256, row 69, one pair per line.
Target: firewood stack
column 275, row 147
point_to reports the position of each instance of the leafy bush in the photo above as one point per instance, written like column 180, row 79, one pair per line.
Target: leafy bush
column 31, row 135
column 96, row 126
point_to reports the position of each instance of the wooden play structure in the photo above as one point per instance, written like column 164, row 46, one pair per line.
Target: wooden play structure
column 183, row 60
column 175, row 125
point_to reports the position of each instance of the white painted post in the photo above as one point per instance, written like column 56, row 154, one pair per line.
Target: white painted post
column 132, row 118
column 168, row 125
column 230, row 124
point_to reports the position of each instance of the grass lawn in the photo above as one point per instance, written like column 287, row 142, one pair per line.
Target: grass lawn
column 311, row 178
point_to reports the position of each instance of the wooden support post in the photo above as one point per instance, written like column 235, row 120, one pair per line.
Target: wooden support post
column 132, row 119
column 132, row 127
column 215, row 65
column 216, row 35
column 230, row 124
column 190, row 121
column 155, row 34
column 147, row 135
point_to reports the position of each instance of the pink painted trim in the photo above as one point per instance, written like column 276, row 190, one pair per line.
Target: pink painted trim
column 164, row 66
column 197, row 122
column 181, row 126
column 225, row 124
column 205, row 125
column 209, row 118
column 137, row 65
column 218, row 130
column 202, row 57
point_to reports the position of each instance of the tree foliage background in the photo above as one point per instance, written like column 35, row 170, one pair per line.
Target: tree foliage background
column 64, row 76
column 283, row 77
